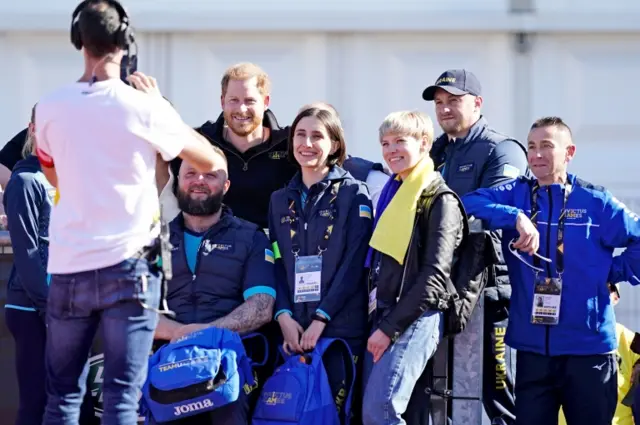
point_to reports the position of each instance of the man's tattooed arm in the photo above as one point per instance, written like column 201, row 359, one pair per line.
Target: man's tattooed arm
column 256, row 311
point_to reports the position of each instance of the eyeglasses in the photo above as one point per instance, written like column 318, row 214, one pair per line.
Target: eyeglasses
column 521, row 258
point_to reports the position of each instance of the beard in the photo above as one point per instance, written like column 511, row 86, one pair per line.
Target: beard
column 449, row 127
column 199, row 207
column 243, row 129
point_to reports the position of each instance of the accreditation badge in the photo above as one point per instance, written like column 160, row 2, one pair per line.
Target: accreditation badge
column 308, row 278
column 547, row 294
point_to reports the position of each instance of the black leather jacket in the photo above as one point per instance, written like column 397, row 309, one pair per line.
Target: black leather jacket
column 404, row 293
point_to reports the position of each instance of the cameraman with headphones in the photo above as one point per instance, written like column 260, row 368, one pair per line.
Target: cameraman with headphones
column 97, row 141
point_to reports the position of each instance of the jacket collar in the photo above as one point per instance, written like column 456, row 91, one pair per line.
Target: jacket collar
column 474, row 131
column 177, row 226
column 30, row 163
column 335, row 173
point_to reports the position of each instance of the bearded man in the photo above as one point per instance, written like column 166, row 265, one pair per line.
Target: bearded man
column 223, row 273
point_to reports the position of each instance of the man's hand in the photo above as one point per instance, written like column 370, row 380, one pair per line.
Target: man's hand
column 311, row 335
column 529, row 240
column 378, row 344
column 187, row 329
column 291, row 331
column 144, row 83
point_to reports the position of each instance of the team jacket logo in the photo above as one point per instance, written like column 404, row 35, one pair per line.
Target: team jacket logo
column 208, row 247
column 192, row 407
column 278, row 155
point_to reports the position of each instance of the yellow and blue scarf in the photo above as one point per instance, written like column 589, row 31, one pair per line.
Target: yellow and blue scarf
column 396, row 211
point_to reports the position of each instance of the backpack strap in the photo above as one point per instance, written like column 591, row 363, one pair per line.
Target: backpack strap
column 428, row 198
column 265, row 344
column 349, row 368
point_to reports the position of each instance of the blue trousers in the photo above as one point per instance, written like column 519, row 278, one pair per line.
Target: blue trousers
column 108, row 301
column 585, row 386
column 391, row 381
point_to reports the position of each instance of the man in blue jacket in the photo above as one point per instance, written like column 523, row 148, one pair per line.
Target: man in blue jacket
column 223, row 271
column 561, row 321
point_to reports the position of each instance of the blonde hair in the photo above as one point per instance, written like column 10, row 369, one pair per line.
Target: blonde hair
column 411, row 123
column 27, row 149
column 245, row 71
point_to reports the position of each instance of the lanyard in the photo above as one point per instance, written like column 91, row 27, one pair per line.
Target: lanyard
column 295, row 221
column 563, row 213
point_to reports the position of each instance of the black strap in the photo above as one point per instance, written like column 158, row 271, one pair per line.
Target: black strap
column 428, row 202
column 294, row 222
column 563, row 213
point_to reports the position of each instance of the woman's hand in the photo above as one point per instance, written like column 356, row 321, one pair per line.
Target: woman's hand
column 378, row 344
column 291, row 331
column 311, row 335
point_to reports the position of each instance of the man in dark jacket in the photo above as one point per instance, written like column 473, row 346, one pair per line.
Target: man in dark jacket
column 222, row 271
column 253, row 141
column 471, row 155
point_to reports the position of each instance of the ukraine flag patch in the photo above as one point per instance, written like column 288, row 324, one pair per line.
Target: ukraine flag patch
column 269, row 257
column 365, row 211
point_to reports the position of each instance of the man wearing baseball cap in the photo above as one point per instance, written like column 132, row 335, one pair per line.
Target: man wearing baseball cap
column 471, row 155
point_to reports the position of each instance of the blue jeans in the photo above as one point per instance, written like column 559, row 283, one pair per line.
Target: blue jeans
column 390, row 382
column 107, row 300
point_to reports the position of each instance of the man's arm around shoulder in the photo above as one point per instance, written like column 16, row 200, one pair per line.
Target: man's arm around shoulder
column 495, row 206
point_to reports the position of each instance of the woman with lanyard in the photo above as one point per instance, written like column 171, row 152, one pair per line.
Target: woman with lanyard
column 320, row 226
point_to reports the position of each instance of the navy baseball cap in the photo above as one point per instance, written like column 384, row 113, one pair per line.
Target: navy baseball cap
column 456, row 82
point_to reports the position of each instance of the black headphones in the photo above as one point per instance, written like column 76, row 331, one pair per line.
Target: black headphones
column 124, row 37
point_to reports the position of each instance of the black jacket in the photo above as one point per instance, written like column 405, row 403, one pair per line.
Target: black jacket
column 404, row 293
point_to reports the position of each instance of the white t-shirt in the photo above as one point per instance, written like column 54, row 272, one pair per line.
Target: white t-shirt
column 103, row 139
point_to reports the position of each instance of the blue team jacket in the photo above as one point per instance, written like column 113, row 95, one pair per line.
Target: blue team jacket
column 344, row 288
column 596, row 223
column 28, row 200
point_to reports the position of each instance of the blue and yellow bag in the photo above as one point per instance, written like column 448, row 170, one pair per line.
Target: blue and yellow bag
column 299, row 391
column 200, row 372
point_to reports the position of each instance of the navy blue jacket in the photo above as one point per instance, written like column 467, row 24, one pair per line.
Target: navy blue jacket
column 484, row 158
column 343, row 287
column 28, row 199
column 234, row 261
column 596, row 223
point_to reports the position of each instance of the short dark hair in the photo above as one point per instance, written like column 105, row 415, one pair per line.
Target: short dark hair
column 98, row 24
column 552, row 122
column 331, row 122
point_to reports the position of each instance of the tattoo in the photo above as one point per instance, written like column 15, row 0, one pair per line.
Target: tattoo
column 256, row 311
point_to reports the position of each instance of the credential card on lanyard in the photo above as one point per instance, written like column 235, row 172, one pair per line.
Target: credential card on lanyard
column 308, row 278
column 547, row 295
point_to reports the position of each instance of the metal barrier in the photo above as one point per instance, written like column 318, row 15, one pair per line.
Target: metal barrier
column 9, row 387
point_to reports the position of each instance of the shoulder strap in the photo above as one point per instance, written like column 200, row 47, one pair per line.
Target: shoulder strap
column 427, row 201
column 265, row 343
column 349, row 368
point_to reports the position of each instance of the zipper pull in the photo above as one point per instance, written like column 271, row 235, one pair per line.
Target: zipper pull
column 245, row 167
column 305, row 226
column 193, row 278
